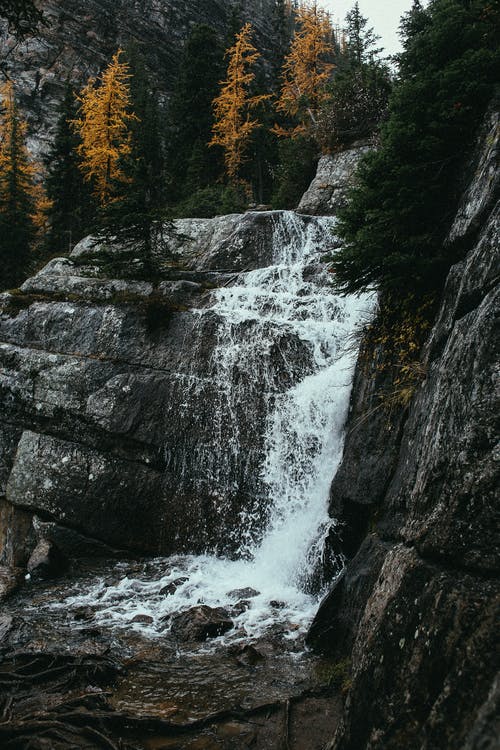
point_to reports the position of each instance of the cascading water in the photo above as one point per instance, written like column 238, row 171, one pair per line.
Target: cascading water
column 284, row 339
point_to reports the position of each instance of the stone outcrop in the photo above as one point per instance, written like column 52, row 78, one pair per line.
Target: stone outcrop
column 334, row 177
column 78, row 40
column 416, row 606
column 113, row 397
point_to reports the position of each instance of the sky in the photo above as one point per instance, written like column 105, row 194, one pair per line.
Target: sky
column 383, row 15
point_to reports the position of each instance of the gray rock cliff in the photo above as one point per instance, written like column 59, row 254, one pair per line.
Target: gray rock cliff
column 80, row 37
column 416, row 607
column 335, row 175
column 114, row 399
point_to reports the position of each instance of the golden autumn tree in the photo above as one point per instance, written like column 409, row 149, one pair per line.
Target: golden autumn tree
column 233, row 107
column 306, row 71
column 21, row 197
column 103, row 126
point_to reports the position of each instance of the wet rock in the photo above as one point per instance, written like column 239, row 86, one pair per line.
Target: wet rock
column 84, row 613
column 46, row 561
column 240, row 607
column 247, row 593
column 17, row 537
column 417, row 498
column 172, row 587
column 277, row 604
column 248, row 655
column 200, row 623
column 96, row 439
column 142, row 618
column 10, row 580
column 90, row 647
column 6, row 626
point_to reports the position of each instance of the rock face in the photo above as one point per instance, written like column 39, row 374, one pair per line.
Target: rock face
column 118, row 415
column 416, row 606
column 335, row 176
column 81, row 37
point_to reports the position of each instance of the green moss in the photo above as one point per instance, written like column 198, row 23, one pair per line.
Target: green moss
column 336, row 675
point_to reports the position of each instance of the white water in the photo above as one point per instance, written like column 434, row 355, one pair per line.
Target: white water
column 302, row 443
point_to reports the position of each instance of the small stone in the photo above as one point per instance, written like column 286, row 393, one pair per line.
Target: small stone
column 83, row 613
column 143, row 618
column 200, row 623
column 172, row 587
column 247, row 593
column 248, row 656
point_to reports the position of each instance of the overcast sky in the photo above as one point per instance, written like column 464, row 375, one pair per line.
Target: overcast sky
column 383, row 15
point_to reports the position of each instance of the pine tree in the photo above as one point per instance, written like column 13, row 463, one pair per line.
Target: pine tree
column 71, row 214
column 306, row 72
column 361, row 41
column 103, row 125
column 191, row 117
column 395, row 224
column 140, row 192
column 18, row 194
column 234, row 125
column 359, row 90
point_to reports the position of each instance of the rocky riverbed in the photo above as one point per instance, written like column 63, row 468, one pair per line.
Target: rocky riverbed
column 68, row 680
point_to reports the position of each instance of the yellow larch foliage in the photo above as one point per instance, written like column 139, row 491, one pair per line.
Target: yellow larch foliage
column 234, row 124
column 103, row 125
column 306, row 71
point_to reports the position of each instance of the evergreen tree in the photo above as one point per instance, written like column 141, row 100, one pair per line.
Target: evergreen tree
column 234, row 126
column 71, row 213
column 360, row 40
column 282, row 30
column 134, row 216
column 192, row 165
column 395, row 224
column 144, row 166
column 17, row 193
column 296, row 168
column 359, row 91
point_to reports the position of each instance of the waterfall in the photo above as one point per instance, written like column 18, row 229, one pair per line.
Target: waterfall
column 283, row 350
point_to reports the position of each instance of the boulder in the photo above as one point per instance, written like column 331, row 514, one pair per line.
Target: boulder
column 46, row 561
column 172, row 587
column 327, row 193
column 246, row 593
column 200, row 623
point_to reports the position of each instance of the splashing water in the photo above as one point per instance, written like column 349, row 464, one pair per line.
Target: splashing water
column 305, row 399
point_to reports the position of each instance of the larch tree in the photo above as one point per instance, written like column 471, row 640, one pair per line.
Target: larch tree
column 103, row 125
column 306, row 71
column 19, row 195
column 234, row 125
